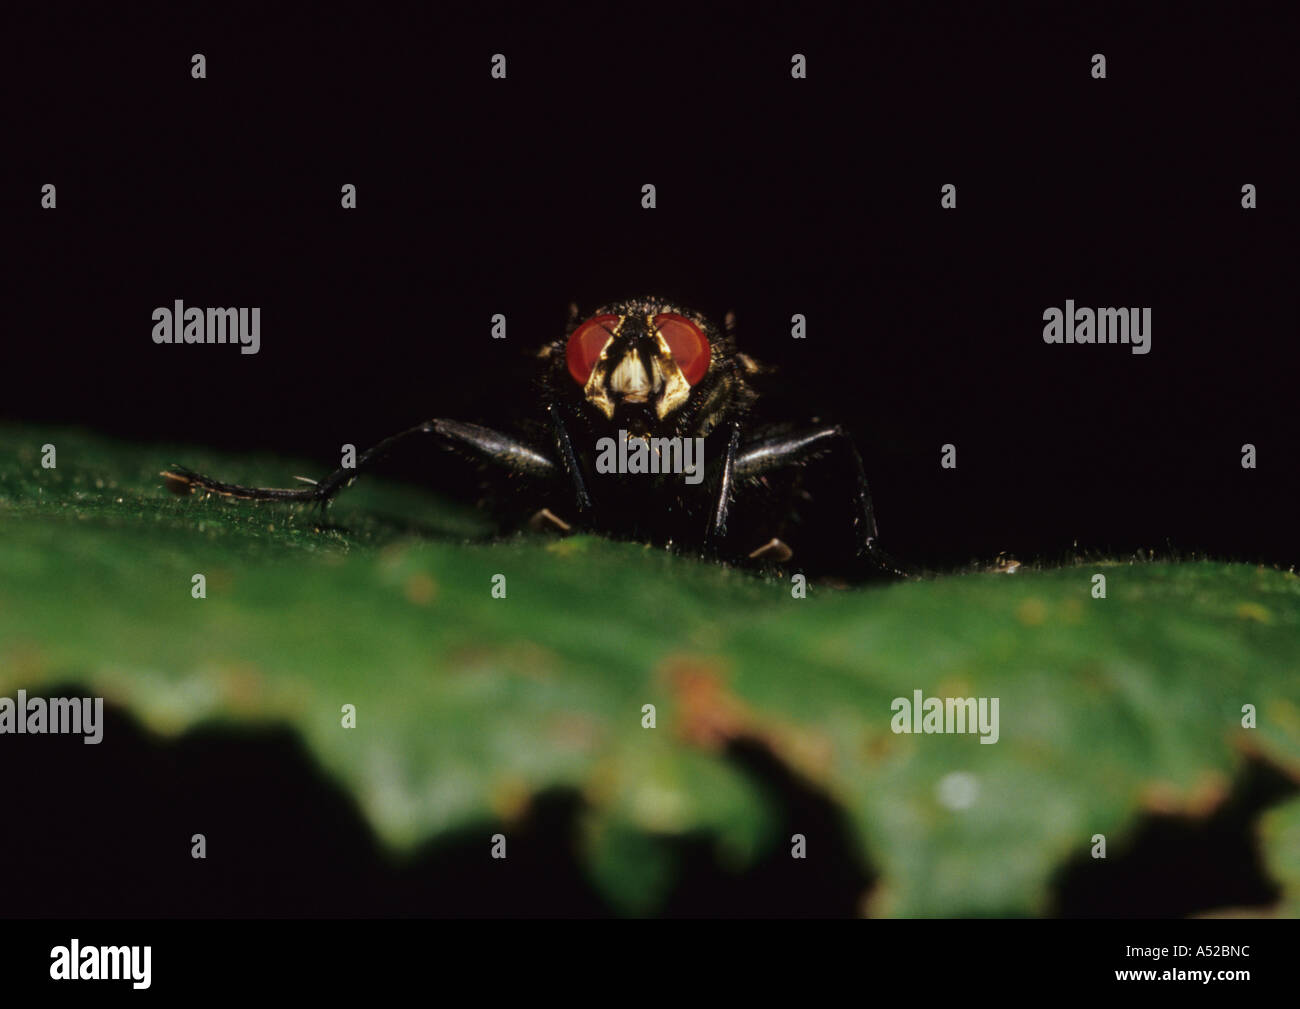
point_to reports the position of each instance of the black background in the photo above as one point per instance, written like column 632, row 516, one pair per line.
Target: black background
column 775, row 196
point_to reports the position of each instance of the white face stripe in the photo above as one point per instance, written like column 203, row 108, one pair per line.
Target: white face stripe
column 630, row 378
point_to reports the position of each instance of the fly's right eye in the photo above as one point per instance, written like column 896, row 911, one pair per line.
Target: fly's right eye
column 687, row 342
column 586, row 343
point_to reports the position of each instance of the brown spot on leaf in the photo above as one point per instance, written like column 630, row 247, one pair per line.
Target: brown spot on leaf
column 877, row 747
column 1204, row 796
column 1032, row 612
column 220, row 581
column 420, row 589
column 243, row 688
column 22, row 664
column 710, row 716
column 510, row 799
column 602, row 787
column 1159, row 797
column 1210, row 789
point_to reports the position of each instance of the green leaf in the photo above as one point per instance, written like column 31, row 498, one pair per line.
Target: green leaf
column 467, row 705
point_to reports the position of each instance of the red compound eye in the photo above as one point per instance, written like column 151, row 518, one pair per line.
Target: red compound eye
column 688, row 344
column 585, row 345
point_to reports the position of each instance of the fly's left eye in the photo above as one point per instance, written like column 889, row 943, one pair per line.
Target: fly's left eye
column 585, row 345
column 687, row 342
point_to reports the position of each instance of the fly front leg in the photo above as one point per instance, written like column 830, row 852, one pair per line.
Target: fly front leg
column 568, row 461
column 472, row 439
column 717, row 529
column 776, row 451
